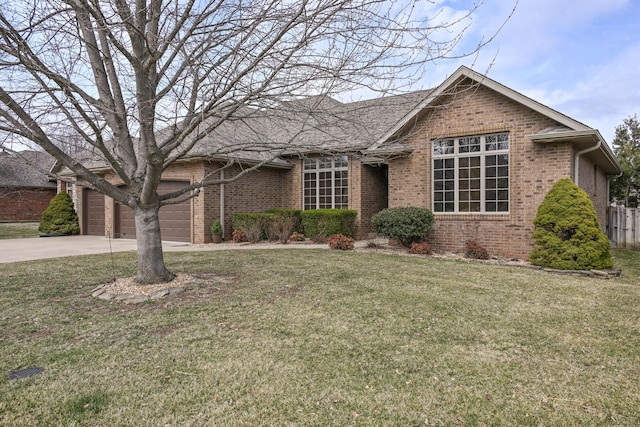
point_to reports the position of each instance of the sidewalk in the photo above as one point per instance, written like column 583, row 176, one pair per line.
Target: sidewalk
column 14, row 250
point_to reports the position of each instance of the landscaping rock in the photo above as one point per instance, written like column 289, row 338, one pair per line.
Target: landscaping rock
column 159, row 294
column 121, row 297
column 136, row 299
column 98, row 292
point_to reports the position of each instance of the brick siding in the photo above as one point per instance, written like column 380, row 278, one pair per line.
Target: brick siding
column 256, row 191
column 368, row 194
column 24, row 204
column 594, row 182
column 534, row 168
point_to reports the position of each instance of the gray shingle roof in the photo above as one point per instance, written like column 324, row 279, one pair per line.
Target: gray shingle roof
column 25, row 169
column 310, row 125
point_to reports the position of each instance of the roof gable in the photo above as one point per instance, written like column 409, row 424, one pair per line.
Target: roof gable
column 568, row 129
column 463, row 73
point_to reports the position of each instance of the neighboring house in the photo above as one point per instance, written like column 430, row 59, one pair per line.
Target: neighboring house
column 480, row 155
column 25, row 188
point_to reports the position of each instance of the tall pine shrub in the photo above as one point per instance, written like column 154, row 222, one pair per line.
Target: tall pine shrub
column 60, row 217
column 567, row 235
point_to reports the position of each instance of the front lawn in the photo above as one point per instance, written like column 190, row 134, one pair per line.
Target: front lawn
column 316, row 337
column 16, row 230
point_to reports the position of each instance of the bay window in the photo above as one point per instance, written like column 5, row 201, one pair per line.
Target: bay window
column 471, row 174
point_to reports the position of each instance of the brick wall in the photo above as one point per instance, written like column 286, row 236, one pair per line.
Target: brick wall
column 371, row 197
column 594, row 182
column 256, row 191
column 534, row 168
column 24, row 204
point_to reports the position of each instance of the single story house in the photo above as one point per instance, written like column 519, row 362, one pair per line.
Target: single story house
column 480, row 155
column 25, row 188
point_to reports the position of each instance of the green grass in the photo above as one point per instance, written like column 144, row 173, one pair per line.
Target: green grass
column 300, row 337
column 16, row 230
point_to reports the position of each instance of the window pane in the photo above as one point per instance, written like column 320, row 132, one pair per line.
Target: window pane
column 497, row 142
column 443, row 146
column 309, row 164
column 469, row 145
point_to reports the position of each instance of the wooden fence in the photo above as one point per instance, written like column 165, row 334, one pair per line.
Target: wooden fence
column 623, row 227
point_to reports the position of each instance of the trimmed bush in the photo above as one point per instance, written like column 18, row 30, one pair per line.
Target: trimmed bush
column 60, row 217
column 322, row 223
column 341, row 242
column 475, row 250
column 281, row 228
column 567, row 235
column 256, row 226
column 296, row 214
column 408, row 225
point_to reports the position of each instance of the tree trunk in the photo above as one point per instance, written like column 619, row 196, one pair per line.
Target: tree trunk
column 151, row 268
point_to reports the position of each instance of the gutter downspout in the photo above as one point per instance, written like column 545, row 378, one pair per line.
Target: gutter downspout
column 576, row 160
column 222, row 200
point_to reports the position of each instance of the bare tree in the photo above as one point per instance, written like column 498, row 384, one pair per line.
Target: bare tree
column 144, row 82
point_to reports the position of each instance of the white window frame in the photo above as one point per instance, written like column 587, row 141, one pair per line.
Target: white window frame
column 326, row 165
column 459, row 148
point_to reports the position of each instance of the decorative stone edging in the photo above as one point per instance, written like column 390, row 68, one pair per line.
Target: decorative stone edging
column 102, row 292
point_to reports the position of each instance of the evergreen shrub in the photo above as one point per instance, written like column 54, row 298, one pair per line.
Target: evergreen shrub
column 60, row 217
column 408, row 225
column 567, row 235
column 322, row 223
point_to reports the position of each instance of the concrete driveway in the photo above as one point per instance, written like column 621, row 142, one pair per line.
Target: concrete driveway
column 14, row 250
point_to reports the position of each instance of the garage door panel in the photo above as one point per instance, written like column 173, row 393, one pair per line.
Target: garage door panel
column 175, row 220
column 93, row 215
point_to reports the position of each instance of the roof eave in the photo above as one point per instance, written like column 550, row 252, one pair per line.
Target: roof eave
column 607, row 159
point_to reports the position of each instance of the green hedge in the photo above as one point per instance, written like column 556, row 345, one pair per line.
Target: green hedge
column 406, row 224
column 327, row 222
column 312, row 223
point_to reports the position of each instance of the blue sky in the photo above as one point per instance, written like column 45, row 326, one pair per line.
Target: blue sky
column 580, row 57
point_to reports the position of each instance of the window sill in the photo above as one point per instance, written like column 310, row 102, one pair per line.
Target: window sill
column 467, row 216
